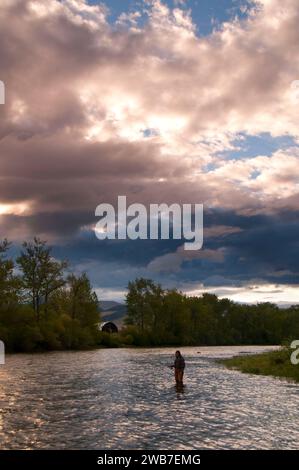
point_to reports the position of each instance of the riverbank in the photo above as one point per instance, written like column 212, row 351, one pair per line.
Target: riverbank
column 275, row 363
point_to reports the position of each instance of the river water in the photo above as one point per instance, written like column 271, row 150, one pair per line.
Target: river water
column 126, row 399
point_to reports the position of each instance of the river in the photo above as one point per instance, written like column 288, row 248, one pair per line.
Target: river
column 126, row 399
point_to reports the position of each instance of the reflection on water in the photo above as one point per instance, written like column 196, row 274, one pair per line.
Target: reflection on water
column 180, row 389
column 127, row 399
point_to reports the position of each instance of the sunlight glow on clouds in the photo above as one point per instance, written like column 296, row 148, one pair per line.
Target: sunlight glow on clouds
column 279, row 294
column 16, row 209
column 149, row 109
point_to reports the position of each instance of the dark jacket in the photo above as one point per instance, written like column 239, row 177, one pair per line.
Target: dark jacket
column 179, row 363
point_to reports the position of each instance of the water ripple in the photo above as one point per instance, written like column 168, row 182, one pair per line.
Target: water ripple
column 126, row 399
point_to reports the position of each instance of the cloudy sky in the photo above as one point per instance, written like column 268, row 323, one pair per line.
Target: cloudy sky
column 177, row 101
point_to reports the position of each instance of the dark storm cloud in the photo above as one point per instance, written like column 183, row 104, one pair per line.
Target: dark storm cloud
column 94, row 111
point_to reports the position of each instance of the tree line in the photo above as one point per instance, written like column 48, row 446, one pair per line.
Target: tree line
column 42, row 305
column 168, row 317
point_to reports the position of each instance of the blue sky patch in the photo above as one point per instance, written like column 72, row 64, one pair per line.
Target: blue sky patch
column 253, row 146
column 207, row 16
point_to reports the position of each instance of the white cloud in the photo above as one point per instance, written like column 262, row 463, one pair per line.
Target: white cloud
column 83, row 96
column 279, row 294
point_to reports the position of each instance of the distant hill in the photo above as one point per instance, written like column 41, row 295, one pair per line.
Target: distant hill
column 113, row 311
column 108, row 304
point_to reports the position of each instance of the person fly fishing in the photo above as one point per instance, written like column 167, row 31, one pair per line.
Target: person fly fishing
column 179, row 367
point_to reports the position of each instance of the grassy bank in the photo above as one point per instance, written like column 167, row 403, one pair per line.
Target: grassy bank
column 275, row 363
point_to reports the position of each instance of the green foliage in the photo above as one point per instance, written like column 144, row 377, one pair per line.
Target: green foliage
column 144, row 301
column 41, row 274
column 9, row 283
column 168, row 317
column 43, row 309
column 109, row 340
column 275, row 363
